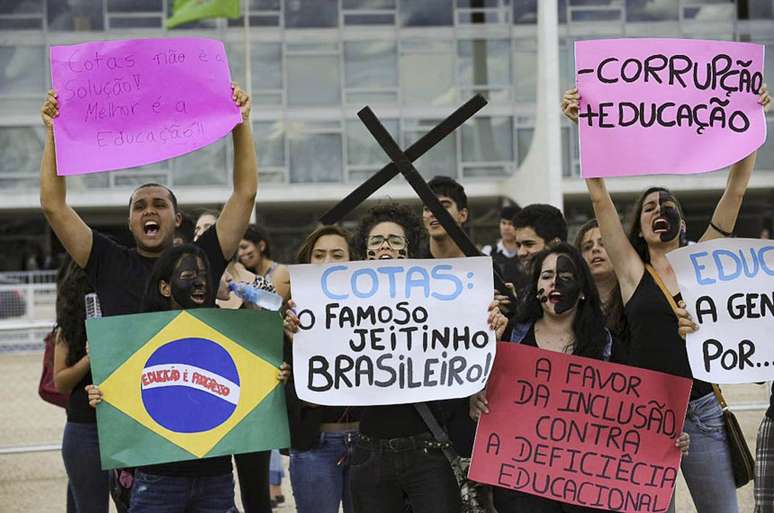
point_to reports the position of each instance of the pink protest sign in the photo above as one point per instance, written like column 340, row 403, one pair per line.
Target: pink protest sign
column 128, row 103
column 580, row 431
column 667, row 106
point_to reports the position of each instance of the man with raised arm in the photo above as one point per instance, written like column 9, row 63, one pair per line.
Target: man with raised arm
column 118, row 274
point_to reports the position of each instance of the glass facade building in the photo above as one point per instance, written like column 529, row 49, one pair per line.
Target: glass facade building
column 314, row 63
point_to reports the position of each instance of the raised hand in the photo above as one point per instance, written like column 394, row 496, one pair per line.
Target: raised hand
column 50, row 109
column 242, row 101
column 570, row 104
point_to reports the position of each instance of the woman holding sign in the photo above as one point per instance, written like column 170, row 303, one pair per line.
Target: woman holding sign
column 320, row 436
column 645, row 276
column 181, row 280
column 561, row 312
column 397, row 461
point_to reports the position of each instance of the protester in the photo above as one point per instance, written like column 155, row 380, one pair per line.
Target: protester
column 655, row 342
column 88, row 483
column 255, row 255
column 589, row 242
column 536, row 226
column 561, row 312
column 184, row 234
column 205, row 220
column 505, row 251
column 119, row 274
column 397, row 460
column 181, row 279
column 321, row 436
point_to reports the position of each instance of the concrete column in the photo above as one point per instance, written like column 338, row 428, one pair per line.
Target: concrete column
column 539, row 179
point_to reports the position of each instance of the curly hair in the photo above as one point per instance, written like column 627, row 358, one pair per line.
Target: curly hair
column 392, row 213
column 71, row 287
column 589, row 324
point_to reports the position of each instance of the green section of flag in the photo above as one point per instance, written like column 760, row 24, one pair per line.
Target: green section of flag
column 244, row 323
column 114, row 339
column 186, row 11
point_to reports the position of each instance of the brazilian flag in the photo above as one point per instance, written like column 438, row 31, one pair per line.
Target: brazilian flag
column 186, row 11
column 188, row 384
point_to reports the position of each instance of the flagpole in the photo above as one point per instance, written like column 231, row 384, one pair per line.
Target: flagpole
column 248, row 69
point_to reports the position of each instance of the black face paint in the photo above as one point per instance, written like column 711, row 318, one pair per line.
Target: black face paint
column 194, row 282
column 670, row 214
column 567, row 284
column 402, row 254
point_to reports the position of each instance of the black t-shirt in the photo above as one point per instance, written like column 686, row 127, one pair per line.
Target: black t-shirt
column 770, row 411
column 654, row 339
column 119, row 276
column 78, row 409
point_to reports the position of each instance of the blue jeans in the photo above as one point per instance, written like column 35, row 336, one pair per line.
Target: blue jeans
column 89, row 486
column 707, row 468
column 320, row 476
column 276, row 472
column 152, row 493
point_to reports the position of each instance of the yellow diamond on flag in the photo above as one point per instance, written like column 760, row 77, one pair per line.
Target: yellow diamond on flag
column 190, row 384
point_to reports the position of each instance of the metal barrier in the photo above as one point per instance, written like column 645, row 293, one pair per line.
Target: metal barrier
column 26, row 300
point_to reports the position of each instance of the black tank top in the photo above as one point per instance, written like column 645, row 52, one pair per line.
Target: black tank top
column 78, row 409
column 654, row 340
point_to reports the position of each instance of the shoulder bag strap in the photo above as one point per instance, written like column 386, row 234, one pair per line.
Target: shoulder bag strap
column 671, row 300
column 438, row 432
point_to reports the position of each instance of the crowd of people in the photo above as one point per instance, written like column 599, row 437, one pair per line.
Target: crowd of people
column 600, row 297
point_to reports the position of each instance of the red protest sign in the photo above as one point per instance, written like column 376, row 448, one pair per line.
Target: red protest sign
column 580, row 431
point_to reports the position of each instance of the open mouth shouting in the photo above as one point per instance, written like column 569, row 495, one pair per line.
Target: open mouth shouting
column 199, row 295
column 661, row 225
column 151, row 228
column 554, row 297
column 598, row 260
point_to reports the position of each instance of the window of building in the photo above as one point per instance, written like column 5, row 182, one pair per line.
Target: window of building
column 269, row 139
column 315, row 151
column 206, row 166
column 22, row 147
column 313, row 75
column 652, row 10
column 426, row 13
column 21, row 15
column 760, row 9
column 470, row 12
column 370, row 72
column 427, row 72
column 76, row 15
column 484, row 66
column 263, row 13
column 311, row 13
column 487, row 147
column 22, row 71
column 441, row 159
column 525, row 12
column 369, row 12
column 364, row 155
column 525, row 70
column 135, row 14
column 265, row 70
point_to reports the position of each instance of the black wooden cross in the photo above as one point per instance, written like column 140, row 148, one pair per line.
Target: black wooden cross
column 401, row 162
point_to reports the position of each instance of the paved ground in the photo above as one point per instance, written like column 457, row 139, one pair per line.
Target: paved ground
column 35, row 482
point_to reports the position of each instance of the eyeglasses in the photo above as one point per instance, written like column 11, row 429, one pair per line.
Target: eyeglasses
column 394, row 241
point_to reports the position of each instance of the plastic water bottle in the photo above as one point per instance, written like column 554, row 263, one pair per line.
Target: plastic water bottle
column 256, row 296
column 93, row 310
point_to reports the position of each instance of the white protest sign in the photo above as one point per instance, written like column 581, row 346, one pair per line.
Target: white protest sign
column 728, row 287
column 392, row 331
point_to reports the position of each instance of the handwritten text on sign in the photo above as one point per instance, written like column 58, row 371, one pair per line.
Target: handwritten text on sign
column 129, row 103
column 392, row 331
column 728, row 287
column 589, row 432
column 645, row 101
